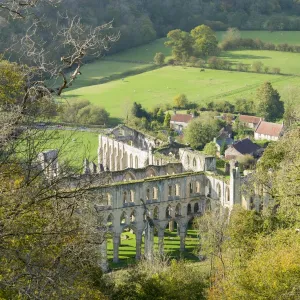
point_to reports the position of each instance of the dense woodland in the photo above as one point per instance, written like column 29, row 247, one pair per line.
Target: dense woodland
column 141, row 21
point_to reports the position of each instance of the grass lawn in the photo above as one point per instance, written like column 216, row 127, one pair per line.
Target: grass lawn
column 127, row 249
column 289, row 63
column 74, row 146
column 94, row 73
column 159, row 86
column 146, row 52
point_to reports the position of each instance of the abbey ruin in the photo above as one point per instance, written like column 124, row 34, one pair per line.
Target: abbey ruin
column 144, row 185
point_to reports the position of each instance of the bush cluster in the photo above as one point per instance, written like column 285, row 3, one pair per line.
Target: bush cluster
column 256, row 44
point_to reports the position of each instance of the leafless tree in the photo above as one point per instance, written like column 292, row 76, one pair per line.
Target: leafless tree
column 49, row 231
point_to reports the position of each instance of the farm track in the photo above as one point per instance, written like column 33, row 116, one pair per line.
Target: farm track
column 245, row 89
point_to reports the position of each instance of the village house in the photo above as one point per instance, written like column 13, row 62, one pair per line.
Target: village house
column 250, row 121
column 180, row 121
column 225, row 137
column 268, row 131
column 241, row 148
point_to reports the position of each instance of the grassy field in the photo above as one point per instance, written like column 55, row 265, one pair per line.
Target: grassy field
column 74, row 146
column 160, row 86
column 289, row 63
column 146, row 52
column 127, row 249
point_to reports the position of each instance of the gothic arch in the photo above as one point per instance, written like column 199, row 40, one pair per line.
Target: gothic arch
column 150, row 172
column 155, row 193
column 177, row 189
column 189, row 209
column 194, row 163
column 156, row 213
column 136, row 165
column 110, row 220
column 132, row 196
column 129, row 176
column 123, row 218
column 208, row 188
column 168, row 212
column 178, row 210
column 132, row 216
column 131, row 161
column 196, row 208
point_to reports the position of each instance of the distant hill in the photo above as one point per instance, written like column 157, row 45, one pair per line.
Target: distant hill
column 141, row 21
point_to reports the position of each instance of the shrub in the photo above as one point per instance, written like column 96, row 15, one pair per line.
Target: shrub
column 276, row 70
column 257, row 66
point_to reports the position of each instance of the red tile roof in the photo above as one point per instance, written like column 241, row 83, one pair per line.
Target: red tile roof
column 250, row 119
column 268, row 128
column 181, row 118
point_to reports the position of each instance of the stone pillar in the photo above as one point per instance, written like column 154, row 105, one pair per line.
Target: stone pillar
column 182, row 237
column 103, row 252
column 182, row 242
column 161, row 234
column 116, row 240
column 138, row 237
column 171, row 226
column 178, row 230
column 149, row 242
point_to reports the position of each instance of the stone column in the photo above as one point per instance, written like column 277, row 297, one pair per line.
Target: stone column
column 149, row 242
column 171, row 226
column 178, row 230
column 161, row 234
column 116, row 240
column 182, row 242
column 138, row 237
column 103, row 252
column 183, row 228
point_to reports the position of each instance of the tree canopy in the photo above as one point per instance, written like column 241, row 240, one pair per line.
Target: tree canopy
column 201, row 131
column 269, row 106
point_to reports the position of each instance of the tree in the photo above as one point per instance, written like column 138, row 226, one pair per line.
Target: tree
column 167, row 120
column 181, row 43
column 244, row 106
column 269, row 104
column 199, row 132
column 83, row 112
column 231, row 34
column 160, row 115
column 159, row 59
column 210, row 149
column 138, row 111
column 257, row 66
column 223, row 148
column 205, row 41
column 180, row 101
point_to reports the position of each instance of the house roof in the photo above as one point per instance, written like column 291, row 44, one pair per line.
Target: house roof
column 268, row 128
column 227, row 141
column 245, row 146
column 225, row 132
column 181, row 118
column 250, row 119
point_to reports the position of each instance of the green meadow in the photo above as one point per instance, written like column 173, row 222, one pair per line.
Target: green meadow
column 289, row 63
column 127, row 248
column 111, row 83
column 73, row 146
column 161, row 85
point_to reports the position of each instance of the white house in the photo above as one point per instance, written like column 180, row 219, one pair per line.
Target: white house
column 180, row 121
column 268, row 131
